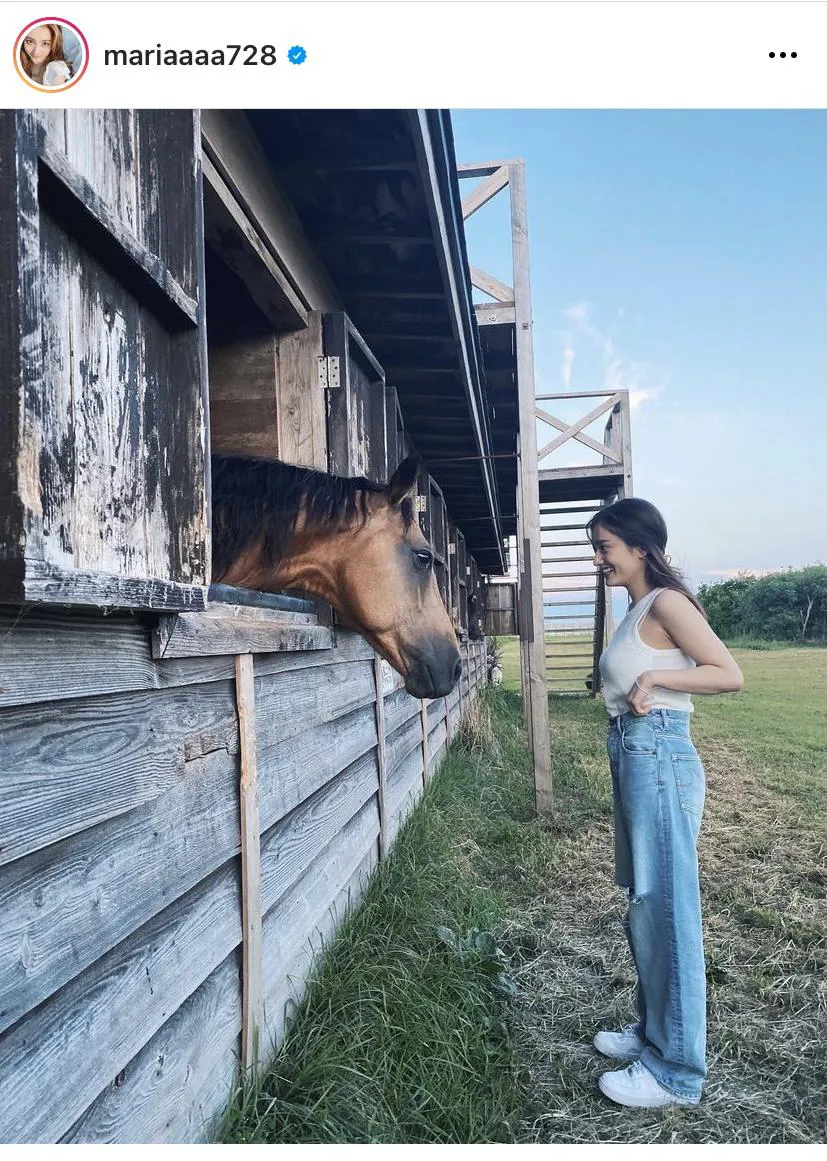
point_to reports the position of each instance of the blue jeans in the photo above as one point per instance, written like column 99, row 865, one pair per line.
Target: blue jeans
column 658, row 785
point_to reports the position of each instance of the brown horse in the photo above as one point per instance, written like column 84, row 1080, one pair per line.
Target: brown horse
column 352, row 542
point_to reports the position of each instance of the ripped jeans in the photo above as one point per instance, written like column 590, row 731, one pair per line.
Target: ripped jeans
column 658, row 786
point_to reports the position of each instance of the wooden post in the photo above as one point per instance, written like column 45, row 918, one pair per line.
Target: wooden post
column 423, row 714
column 599, row 633
column 532, row 605
column 251, row 1011
column 626, row 447
column 380, row 753
column 523, row 616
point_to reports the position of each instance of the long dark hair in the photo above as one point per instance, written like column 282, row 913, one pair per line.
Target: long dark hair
column 639, row 525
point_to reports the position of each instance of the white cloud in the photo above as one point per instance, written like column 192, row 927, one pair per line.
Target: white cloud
column 568, row 360
column 642, row 380
column 638, row 395
column 579, row 314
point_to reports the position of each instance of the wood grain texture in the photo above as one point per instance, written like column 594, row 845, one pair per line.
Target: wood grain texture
column 121, row 1000
column 243, row 398
column 301, row 401
column 251, row 1014
column 380, row 751
column 51, row 656
column 232, row 629
column 71, row 768
column 48, row 1073
column 177, row 1088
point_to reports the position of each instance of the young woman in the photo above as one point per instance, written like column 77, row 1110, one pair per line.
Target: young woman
column 661, row 653
column 40, row 47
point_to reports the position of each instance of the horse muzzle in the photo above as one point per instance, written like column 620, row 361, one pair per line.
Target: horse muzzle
column 433, row 669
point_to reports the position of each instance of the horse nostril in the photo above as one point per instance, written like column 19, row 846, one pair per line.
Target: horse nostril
column 458, row 670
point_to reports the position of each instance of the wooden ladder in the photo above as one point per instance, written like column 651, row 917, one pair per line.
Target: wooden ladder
column 576, row 614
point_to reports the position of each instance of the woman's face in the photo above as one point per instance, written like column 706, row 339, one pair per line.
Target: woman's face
column 617, row 562
column 38, row 44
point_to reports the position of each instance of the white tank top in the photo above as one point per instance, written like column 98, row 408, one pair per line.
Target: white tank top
column 627, row 656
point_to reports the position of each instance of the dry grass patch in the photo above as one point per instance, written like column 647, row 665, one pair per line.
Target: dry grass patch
column 763, row 882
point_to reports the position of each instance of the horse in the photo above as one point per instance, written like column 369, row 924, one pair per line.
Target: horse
column 353, row 542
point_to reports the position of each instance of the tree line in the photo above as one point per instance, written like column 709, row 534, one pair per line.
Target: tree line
column 783, row 606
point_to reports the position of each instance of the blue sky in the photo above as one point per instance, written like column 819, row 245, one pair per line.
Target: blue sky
column 683, row 254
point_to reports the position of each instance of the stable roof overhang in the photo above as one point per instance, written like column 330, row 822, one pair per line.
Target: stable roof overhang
column 377, row 195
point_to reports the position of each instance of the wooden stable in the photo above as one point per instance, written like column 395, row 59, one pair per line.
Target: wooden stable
column 197, row 781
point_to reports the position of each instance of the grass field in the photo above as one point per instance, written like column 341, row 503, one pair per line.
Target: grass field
column 459, row 1003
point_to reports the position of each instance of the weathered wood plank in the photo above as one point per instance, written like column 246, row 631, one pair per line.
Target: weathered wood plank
column 380, row 751
column 400, row 707
column 123, row 998
column 286, row 706
column 71, row 768
column 289, row 927
column 49, row 655
column 100, row 145
column 297, row 767
column 65, row 906
column 48, row 1073
column 301, row 400
column 230, row 629
column 406, row 738
column 176, row 1090
column 243, row 397
column 251, row 1014
column 181, row 1081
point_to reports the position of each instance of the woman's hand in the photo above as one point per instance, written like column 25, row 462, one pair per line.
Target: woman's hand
column 639, row 696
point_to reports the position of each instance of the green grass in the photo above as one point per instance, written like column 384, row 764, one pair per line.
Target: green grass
column 403, row 1038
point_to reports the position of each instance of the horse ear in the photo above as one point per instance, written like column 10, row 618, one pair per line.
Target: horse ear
column 403, row 480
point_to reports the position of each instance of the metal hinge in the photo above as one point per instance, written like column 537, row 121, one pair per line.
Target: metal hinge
column 327, row 371
column 452, row 548
column 422, row 503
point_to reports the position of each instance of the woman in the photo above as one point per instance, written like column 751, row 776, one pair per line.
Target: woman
column 40, row 47
column 662, row 652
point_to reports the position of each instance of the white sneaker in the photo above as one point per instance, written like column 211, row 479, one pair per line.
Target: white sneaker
column 637, row 1088
column 623, row 1045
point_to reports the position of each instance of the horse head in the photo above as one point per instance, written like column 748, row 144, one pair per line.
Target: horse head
column 352, row 542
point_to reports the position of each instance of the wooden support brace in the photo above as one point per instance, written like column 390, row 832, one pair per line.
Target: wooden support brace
column 574, row 428
column 380, row 754
column 426, row 758
column 252, row 1004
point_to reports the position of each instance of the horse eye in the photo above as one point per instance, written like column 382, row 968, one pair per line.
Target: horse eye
column 424, row 558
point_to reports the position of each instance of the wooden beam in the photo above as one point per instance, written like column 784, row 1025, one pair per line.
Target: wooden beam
column 380, row 753
column 494, row 313
column 573, row 428
column 578, row 395
column 252, row 1004
column 490, row 285
column 426, row 758
column 535, row 691
column 581, row 437
column 484, row 192
column 481, row 168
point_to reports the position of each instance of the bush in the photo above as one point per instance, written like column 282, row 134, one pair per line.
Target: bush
column 782, row 606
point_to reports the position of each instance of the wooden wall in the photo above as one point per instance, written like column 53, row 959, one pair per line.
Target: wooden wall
column 120, row 897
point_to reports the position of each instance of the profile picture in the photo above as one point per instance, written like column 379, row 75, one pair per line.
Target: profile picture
column 51, row 54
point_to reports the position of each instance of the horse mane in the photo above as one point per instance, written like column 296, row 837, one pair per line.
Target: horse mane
column 254, row 496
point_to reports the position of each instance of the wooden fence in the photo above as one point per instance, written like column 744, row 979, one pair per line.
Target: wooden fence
column 122, row 930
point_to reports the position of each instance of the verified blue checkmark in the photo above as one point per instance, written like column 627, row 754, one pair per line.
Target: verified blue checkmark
column 297, row 54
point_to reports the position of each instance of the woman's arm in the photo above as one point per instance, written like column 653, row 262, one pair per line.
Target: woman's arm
column 716, row 670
